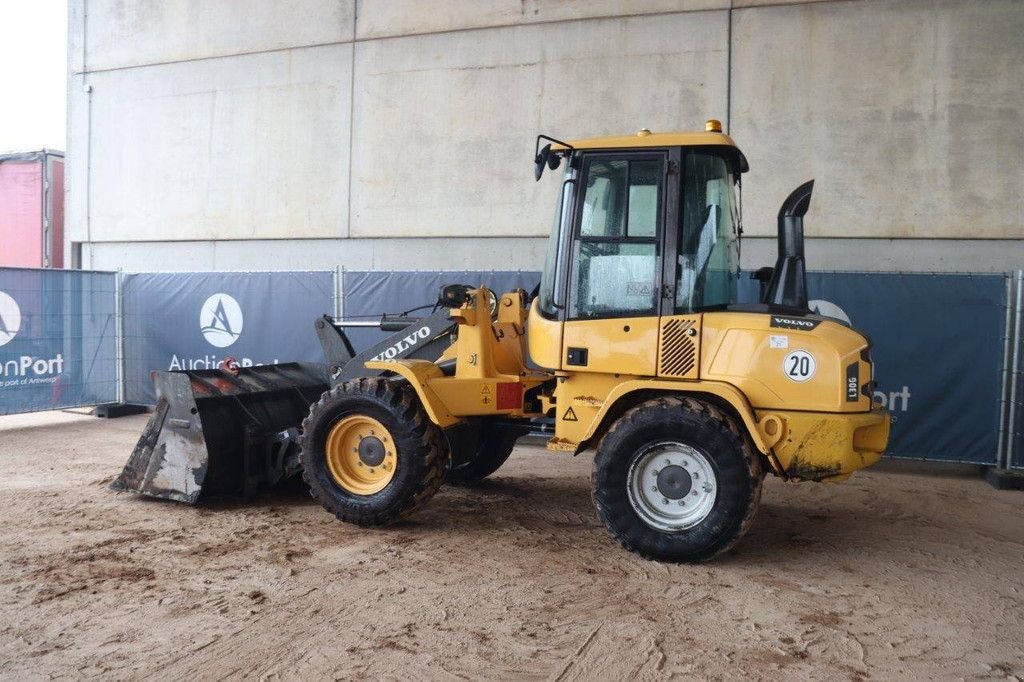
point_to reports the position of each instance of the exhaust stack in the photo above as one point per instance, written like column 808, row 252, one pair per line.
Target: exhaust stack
column 788, row 286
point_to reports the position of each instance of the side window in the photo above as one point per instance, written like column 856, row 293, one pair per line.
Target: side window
column 708, row 262
column 616, row 263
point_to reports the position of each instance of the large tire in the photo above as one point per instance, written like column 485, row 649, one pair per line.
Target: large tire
column 389, row 476
column 648, row 486
column 491, row 449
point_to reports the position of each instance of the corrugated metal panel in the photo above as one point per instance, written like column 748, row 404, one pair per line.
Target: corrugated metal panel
column 21, row 212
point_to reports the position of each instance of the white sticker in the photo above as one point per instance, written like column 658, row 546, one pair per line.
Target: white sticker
column 799, row 366
column 778, row 341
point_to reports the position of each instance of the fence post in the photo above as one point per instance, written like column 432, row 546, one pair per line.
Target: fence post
column 1015, row 371
column 1005, row 406
column 339, row 292
column 119, row 318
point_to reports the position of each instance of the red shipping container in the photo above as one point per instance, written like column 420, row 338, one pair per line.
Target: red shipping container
column 32, row 209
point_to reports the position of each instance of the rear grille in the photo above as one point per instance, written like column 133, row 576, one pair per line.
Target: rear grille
column 678, row 351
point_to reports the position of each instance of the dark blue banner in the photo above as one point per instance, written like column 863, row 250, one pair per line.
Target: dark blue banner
column 196, row 320
column 937, row 342
column 58, row 339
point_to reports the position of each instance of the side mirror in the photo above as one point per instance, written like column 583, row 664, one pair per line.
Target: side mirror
column 545, row 157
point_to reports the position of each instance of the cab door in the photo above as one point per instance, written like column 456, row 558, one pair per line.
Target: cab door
column 616, row 289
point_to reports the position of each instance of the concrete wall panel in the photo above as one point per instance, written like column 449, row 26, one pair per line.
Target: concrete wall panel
column 243, row 147
column 390, row 18
column 445, row 124
column 76, row 36
column 76, row 172
column 122, row 34
column 909, row 114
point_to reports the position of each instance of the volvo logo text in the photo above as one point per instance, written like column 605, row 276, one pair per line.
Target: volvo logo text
column 404, row 344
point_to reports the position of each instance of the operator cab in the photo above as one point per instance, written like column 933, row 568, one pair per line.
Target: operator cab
column 650, row 223
column 646, row 230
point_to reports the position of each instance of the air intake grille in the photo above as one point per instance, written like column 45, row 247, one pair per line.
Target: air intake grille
column 678, row 351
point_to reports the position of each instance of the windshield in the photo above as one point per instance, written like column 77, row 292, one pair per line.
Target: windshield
column 708, row 266
column 548, row 300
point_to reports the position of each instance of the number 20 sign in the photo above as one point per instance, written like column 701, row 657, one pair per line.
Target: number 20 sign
column 799, row 366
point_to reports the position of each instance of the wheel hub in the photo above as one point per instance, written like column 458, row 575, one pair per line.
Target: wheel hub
column 674, row 482
column 361, row 454
column 672, row 486
column 371, row 451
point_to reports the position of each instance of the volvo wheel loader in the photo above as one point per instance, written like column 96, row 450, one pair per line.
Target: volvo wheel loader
column 633, row 344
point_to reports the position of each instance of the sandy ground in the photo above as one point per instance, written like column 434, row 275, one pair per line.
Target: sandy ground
column 894, row 574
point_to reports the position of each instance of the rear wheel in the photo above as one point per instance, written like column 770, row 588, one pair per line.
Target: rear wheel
column 480, row 456
column 370, row 454
column 675, row 479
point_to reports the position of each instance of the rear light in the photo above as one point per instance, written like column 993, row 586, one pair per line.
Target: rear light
column 865, row 355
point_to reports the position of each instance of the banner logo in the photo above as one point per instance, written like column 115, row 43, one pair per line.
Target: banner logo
column 220, row 320
column 10, row 319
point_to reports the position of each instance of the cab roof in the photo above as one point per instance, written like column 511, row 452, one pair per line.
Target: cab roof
column 644, row 138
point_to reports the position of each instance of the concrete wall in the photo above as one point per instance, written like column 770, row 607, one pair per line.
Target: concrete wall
column 398, row 134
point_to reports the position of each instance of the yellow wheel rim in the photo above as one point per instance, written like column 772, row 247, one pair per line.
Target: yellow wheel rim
column 361, row 455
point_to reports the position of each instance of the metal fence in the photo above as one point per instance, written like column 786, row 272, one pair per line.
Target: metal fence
column 58, row 339
column 947, row 347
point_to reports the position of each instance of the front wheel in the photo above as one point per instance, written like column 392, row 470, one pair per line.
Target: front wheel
column 675, row 479
column 370, row 454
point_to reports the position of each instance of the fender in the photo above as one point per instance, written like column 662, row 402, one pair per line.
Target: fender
column 418, row 373
column 727, row 392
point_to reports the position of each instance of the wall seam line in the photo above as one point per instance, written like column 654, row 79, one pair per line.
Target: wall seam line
column 333, row 43
column 728, row 71
column 351, row 112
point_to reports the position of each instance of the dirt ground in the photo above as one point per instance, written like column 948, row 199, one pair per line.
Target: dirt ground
column 894, row 574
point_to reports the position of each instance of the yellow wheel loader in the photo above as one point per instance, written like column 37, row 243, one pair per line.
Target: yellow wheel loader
column 632, row 345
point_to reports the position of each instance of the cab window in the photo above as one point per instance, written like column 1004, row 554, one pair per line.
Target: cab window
column 708, row 262
column 616, row 250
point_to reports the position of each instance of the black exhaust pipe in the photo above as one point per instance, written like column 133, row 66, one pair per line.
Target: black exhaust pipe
column 788, row 286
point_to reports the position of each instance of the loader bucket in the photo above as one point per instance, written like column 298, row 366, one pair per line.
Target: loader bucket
column 217, row 434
